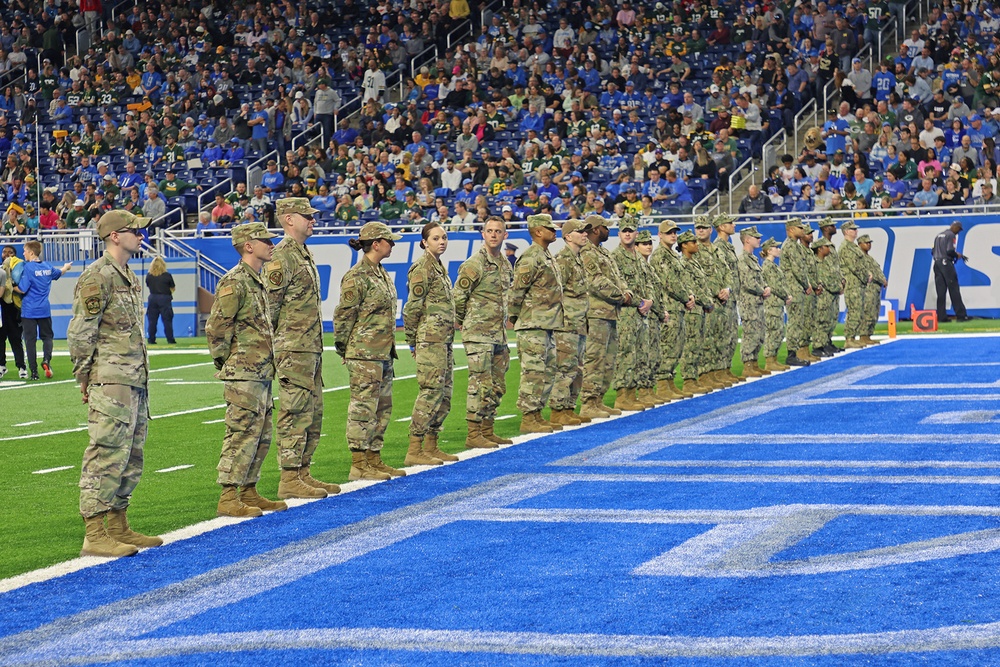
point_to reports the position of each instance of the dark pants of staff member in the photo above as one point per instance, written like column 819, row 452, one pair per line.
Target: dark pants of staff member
column 10, row 332
column 946, row 280
column 160, row 307
column 33, row 330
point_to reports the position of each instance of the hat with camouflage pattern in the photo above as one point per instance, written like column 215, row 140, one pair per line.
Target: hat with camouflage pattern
column 541, row 220
column 298, row 205
column 723, row 219
column 644, row 237
column 685, row 237
column 751, row 231
column 820, row 243
column 251, row 231
column 112, row 221
column 768, row 244
column 864, row 238
column 628, row 223
column 374, row 231
column 702, row 222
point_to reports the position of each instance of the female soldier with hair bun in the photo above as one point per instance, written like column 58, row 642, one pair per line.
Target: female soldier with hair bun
column 429, row 321
column 365, row 337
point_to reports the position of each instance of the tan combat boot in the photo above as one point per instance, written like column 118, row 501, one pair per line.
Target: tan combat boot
column 647, row 397
column 361, row 470
column 696, row 386
column 804, row 354
column 678, row 393
column 250, row 498
column 583, row 420
column 231, row 505
column 415, row 457
column 853, row 344
column 97, row 542
column 532, row 422
column 119, row 530
column 488, row 434
column 292, row 485
column 625, row 401
column 431, row 449
column 592, row 408
column 752, row 370
column 331, row 489
column 375, row 461
column 714, row 379
column 665, row 391
column 475, row 439
column 609, row 409
column 564, row 418
column 771, row 365
column 868, row 340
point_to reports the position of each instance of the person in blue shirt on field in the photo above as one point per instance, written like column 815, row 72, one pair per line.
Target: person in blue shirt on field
column 36, row 314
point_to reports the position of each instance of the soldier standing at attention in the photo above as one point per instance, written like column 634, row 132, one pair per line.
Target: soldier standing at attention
column 111, row 365
column 571, row 338
column 694, row 320
column 241, row 342
column 536, row 311
column 752, row 293
column 630, row 322
column 650, row 345
column 813, row 267
column 295, row 302
column 856, row 277
column 873, row 292
column 728, row 318
column 831, row 279
column 717, row 278
column 608, row 294
column 481, row 311
column 429, row 322
column 794, row 263
column 774, row 306
column 678, row 298
column 364, row 326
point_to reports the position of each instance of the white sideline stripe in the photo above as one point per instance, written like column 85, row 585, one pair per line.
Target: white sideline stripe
column 25, row 385
column 45, row 471
column 215, row 421
column 502, row 417
column 27, row 424
column 174, row 383
column 405, row 419
column 175, row 468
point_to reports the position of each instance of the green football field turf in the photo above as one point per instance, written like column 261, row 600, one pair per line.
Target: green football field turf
column 43, row 526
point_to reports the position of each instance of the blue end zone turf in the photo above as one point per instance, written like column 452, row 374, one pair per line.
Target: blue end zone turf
column 842, row 514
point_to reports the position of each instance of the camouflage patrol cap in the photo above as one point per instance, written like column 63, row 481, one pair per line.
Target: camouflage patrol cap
column 298, row 205
column 793, row 222
column 112, row 221
column 685, row 237
column 821, row 243
column 848, row 225
column 768, row 244
column 723, row 219
column 864, row 238
column 541, row 220
column 596, row 221
column 628, row 223
column 668, row 226
column 644, row 237
column 373, row 231
column 806, row 227
column 751, row 231
column 827, row 222
column 702, row 222
column 249, row 232
column 575, row 225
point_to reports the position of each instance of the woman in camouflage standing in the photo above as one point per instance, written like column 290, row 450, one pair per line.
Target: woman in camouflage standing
column 365, row 337
column 429, row 321
column 774, row 305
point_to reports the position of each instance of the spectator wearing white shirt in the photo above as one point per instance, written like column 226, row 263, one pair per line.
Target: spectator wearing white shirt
column 464, row 219
column 929, row 133
column 451, row 177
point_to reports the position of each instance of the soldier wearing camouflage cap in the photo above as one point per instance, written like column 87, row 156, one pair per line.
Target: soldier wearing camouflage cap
column 295, row 300
column 537, row 312
column 650, row 339
column 856, row 278
column 813, row 337
column 753, row 292
column 774, row 305
column 571, row 338
column 674, row 285
column 429, row 325
column 691, row 360
column 715, row 272
column 112, row 367
column 873, row 292
column 830, row 277
column 631, row 321
column 241, row 341
column 364, row 325
column 726, row 318
column 480, row 294
column 608, row 295
column 796, row 261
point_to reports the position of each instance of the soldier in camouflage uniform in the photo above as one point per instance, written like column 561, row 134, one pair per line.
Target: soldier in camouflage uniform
column 816, row 352
column 728, row 319
column 751, row 297
column 856, row 278
column 873, row 292
column 536, row 310
column 364, row 327
column 831, row 279
column 241, row 342
column 608, row 295
column 795, row 260
column 295, row 302
column 481, row 311
column 677, row 293
column 571, row 338
column 631, row 321
column 111, row 365
column 718, row 279
column 694, row 320
column 774, row 306
column 429, row 322
column 651, row 323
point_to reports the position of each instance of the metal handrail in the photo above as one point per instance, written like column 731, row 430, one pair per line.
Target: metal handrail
column 796, row 123
column 414, row 65
column 297, row 140
column 256, row 168
column 489, row 8
column 780, row 134
column 228, row 183
column 747, row 163
column 465, row 27
column 714, row 194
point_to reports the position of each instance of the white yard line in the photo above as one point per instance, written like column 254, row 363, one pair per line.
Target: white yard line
column 214, row 421
column 45, row 471
column 27, row 424
column 183, row 467
column 39, row 383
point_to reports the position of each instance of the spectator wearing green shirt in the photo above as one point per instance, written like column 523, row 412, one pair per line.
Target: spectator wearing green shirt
column 392, row 209
column 346, row 210
column 77, row 217
column 171, row 186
